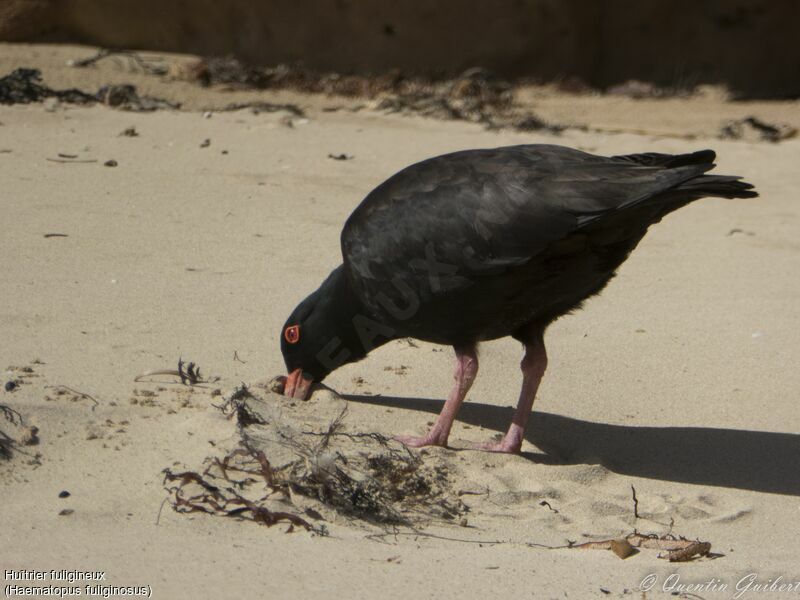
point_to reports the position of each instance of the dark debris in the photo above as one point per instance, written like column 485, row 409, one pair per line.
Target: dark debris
column 125, row 97
column 265, row 107
column 754, row 129
column 24, row 86
column 474, row 95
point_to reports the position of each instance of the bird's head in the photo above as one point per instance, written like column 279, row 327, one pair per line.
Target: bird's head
column 319, row 336
column 302, row 338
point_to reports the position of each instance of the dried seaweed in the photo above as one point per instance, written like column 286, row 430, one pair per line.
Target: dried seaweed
column 363, row 475
column 125, row 97
column 189, row 375
column 27, row 435
column 475, row 95
column 150, row 67
column 370, row 492
column 224, row 70
column 754, row 129
column 236, row 406
column 7, row 443
column 676, row 549
column 265, row 107
column 319, row 470
column 199, row 492
column 24, row 86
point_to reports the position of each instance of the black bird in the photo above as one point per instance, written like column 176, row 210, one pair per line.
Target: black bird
column 482, row 244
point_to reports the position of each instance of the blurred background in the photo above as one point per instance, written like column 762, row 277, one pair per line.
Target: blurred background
column 747, row 45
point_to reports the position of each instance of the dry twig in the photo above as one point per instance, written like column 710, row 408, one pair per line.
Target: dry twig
column 635, row 502
column 76, row 392
column 72, row 161
column 133, row 57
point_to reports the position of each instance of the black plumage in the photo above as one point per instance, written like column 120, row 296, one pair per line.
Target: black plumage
column 482, row 244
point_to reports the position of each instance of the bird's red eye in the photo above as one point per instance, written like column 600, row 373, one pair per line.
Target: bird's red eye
column 292, row 334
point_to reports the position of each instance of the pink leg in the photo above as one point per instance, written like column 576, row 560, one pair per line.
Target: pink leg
column 465, row 373
column 533, row 367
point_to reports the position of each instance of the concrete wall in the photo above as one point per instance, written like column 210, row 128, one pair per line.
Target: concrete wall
column 748, row 44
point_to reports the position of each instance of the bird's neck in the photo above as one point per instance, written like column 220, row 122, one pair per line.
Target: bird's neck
column 354, row 331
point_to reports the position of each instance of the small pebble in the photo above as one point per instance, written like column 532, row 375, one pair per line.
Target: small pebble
column 622, row 548
column 110, row 163
column 65, row 512
column 29, row 436
column 11, row 386
column 64, row 494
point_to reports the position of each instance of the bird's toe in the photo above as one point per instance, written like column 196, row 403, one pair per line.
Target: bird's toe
column 419, row 442
column 503, row 446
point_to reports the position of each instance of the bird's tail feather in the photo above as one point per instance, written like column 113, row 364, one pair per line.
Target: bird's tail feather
column 722, row 186
column 671, row 161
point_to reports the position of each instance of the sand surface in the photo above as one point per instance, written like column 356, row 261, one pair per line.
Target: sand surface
column 681, row 379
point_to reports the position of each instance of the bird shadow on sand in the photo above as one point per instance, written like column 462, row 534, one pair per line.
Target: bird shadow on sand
column 734, row 458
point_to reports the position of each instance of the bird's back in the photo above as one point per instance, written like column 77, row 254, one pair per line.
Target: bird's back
column 473, row 245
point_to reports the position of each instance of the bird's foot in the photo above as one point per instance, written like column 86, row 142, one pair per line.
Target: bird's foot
column 419, row 442
column 505, row 446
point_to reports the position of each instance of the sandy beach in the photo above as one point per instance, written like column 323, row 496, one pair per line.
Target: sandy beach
column 680, row 380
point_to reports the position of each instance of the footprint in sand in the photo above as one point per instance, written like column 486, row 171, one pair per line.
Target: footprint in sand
column 586, row 474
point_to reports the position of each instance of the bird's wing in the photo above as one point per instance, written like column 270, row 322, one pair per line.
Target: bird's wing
column 438, row 225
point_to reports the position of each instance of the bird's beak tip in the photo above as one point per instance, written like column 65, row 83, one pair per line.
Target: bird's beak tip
column 298, row 385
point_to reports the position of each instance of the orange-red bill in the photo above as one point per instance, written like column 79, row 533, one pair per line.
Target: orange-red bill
column 297, row 385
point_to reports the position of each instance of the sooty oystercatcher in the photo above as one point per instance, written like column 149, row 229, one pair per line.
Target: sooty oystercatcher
column 481, row 244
